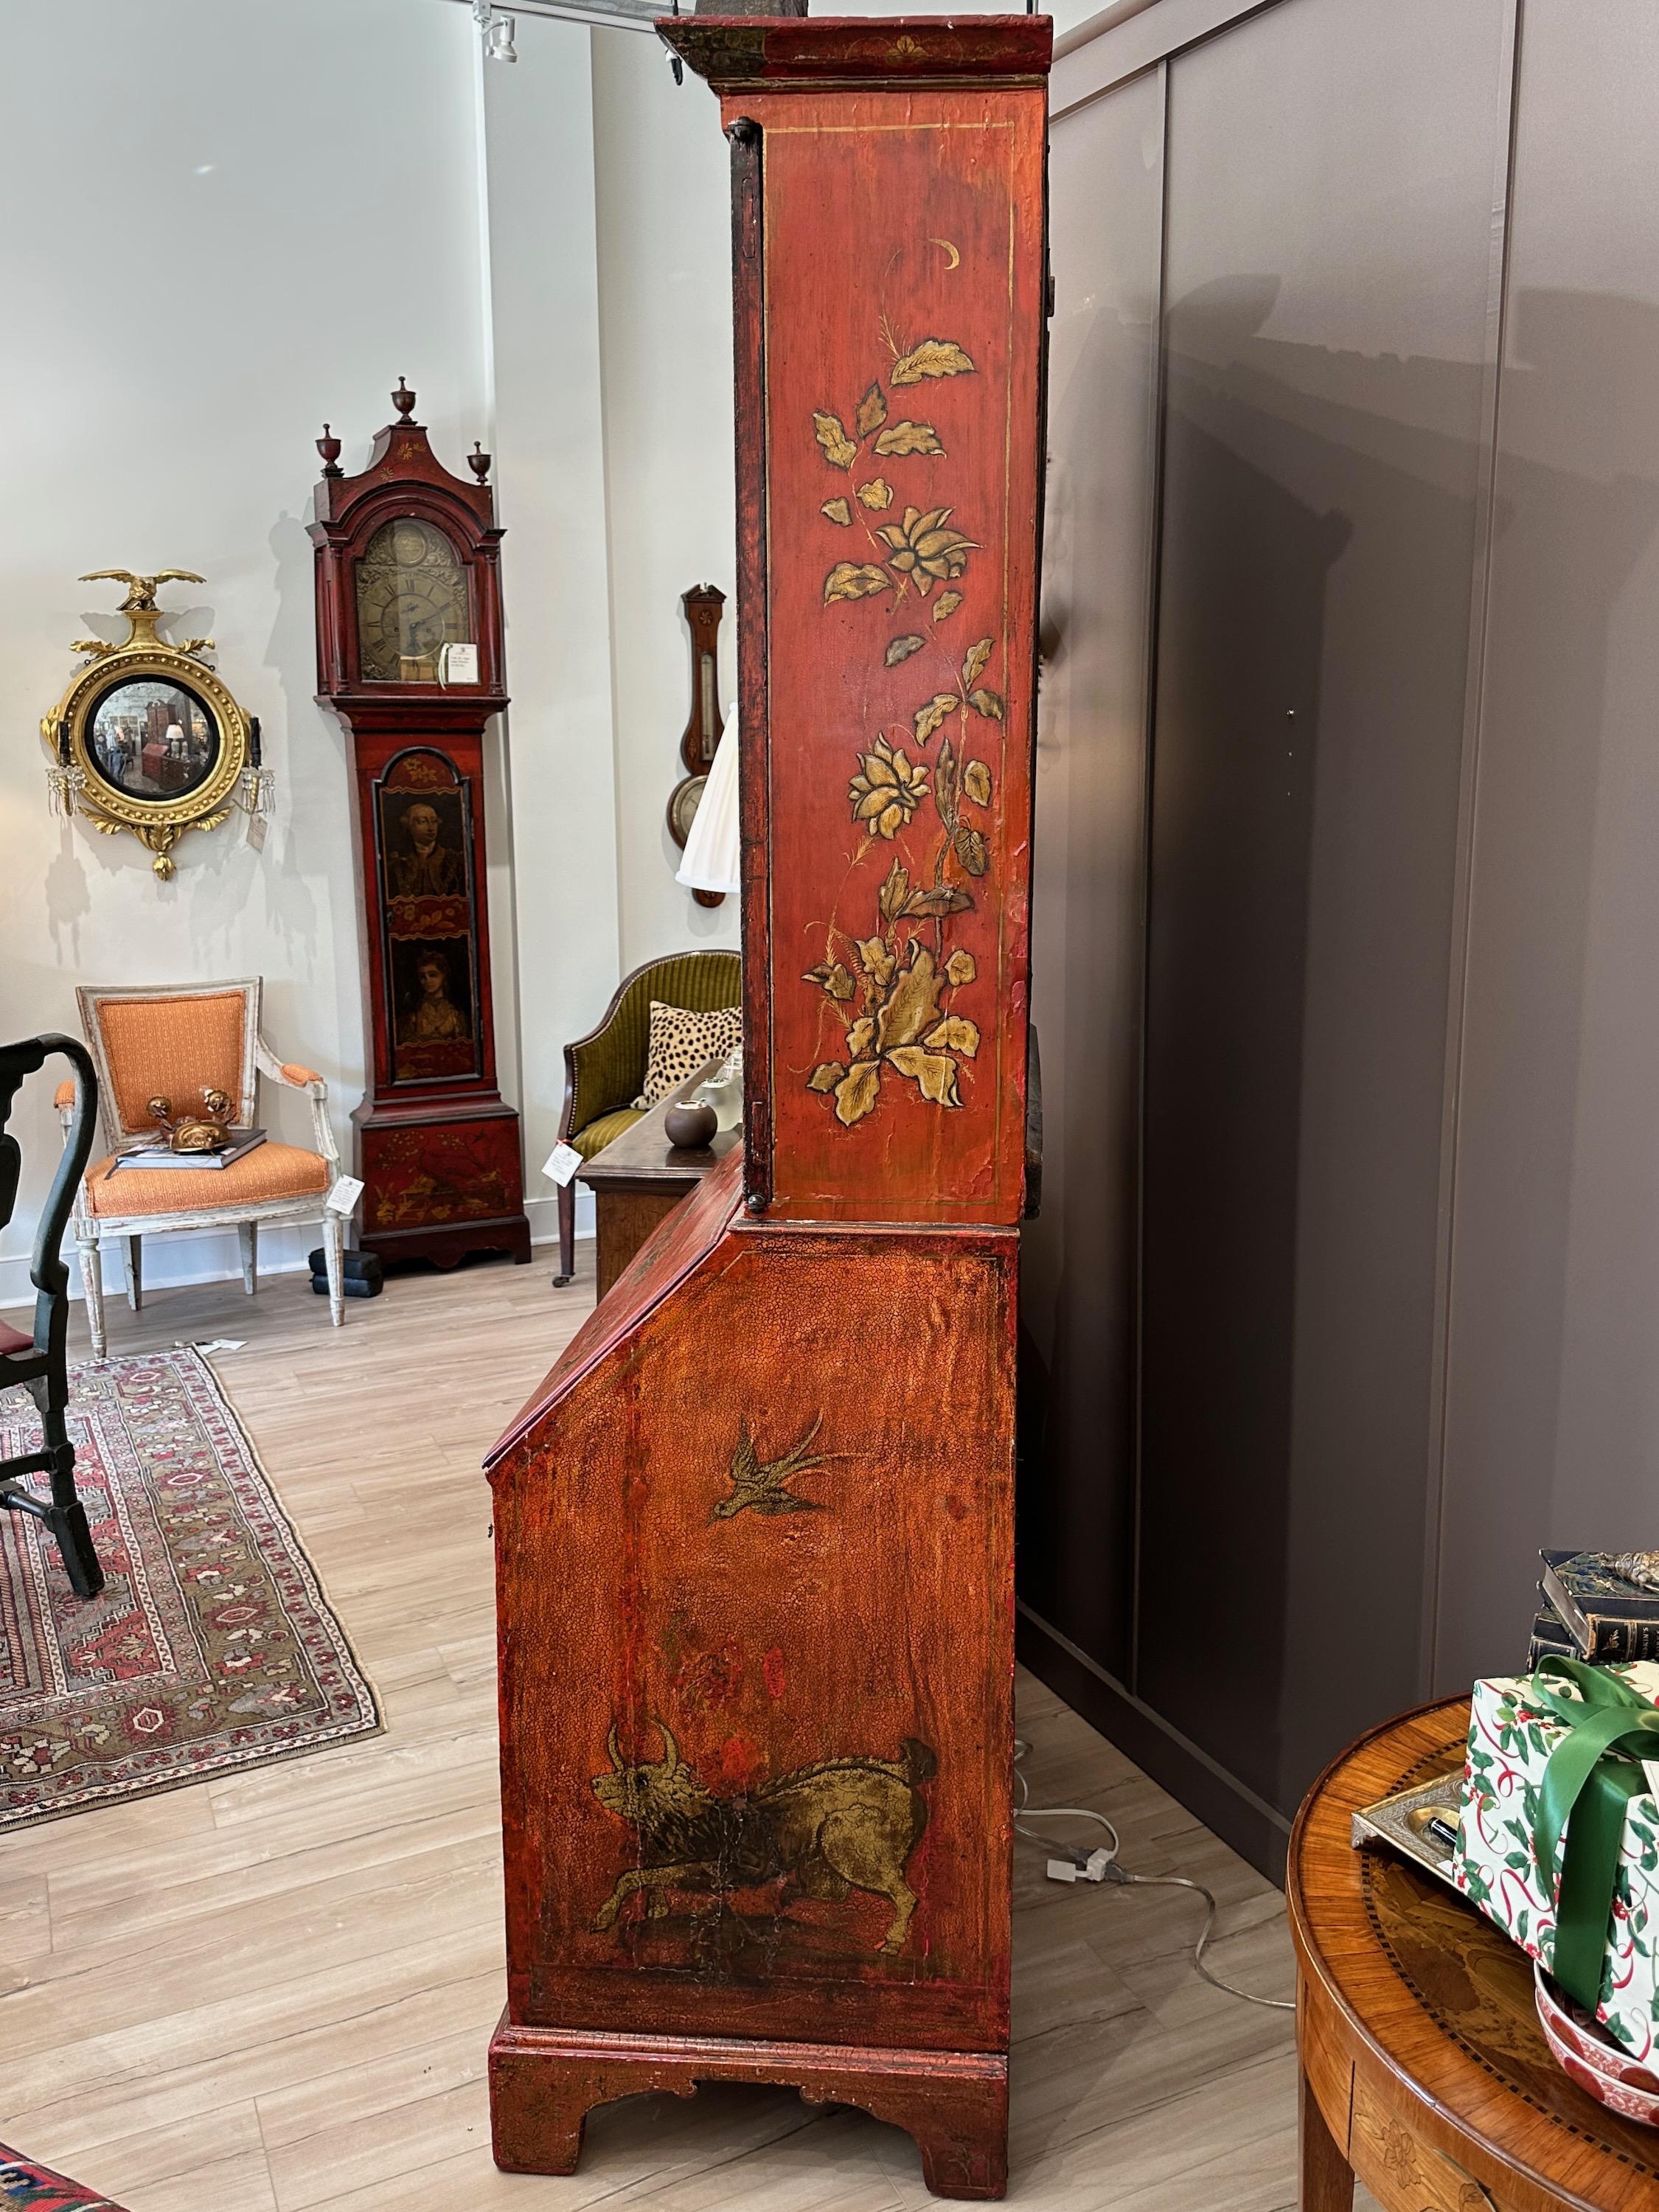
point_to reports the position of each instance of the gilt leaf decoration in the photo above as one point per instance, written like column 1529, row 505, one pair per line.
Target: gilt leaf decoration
column 971, row 850
column 928, row 718
column 877, row 962
column 890, row 899
column 856, row 1092
column 976, row 782
column 901, row 648
column 932, row 357
column 825, row 1076
column 847, row 579
column 986, row 703
column 974, row 667
column 834, row 978
column 872, row 411
column 913, row 1005
column 933, row 1071
column 838, row 511
column 901, row 438
column 954, row 1033
column 931, row 905
column 877, row 494
column 832, row 434
column 946, row 604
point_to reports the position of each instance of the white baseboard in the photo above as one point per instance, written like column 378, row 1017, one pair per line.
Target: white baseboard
column 214, row 1255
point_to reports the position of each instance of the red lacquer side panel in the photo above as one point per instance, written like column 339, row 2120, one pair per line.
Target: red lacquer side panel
column 903, row 251
column 441, row 1173
column 755, row 1621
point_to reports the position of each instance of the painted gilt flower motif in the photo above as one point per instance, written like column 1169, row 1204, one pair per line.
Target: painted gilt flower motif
column 894, row 992
column 887, row 790
column 924, row 550
column 908, row 1035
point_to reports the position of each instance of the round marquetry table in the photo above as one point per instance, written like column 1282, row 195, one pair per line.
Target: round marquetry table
column 1424, row 2068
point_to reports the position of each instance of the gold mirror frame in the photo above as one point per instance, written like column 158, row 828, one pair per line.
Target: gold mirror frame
column 82, row 782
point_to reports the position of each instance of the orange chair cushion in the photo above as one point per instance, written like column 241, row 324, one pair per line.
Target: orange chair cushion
column 269, row 1172
column 293, row 1073
column 172, row 1048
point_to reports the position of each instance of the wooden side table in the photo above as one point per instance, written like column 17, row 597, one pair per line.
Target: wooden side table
column 641, row 1177
column 1424, row 2068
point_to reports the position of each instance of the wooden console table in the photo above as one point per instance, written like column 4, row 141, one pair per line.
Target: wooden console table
column 641, row 1177
column 1424, row 2068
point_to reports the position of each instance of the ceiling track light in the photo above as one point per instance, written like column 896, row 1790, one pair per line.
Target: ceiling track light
column 496, row 29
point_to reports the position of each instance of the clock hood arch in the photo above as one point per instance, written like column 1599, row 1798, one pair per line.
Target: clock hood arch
column 404, row 479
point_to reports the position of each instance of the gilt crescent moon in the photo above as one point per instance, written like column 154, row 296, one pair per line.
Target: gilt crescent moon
column 955, row 261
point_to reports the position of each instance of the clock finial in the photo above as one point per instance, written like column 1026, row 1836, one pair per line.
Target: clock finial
column 479, row 461
column 329, row 447
column 404, row 400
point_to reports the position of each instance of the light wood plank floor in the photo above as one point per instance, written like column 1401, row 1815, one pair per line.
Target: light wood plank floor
column 274, row 1991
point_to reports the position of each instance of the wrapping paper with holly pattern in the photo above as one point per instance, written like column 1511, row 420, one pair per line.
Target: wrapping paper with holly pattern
column 1510, row 1738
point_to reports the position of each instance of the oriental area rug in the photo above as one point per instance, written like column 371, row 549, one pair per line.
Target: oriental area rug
column 211, row 1648
column 27, row 2187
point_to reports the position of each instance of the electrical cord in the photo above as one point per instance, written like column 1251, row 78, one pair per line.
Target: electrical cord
column 1102, row 1865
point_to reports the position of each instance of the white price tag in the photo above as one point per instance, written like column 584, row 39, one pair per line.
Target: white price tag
column 561, row 1162
column 457, row 664
column 343, row 1199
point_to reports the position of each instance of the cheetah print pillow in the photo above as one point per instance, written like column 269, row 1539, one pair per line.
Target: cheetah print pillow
column 684, row 1041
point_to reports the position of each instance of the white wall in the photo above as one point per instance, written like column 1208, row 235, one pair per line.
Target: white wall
column 250, row 215
column 666, row 318
column 555, row 562
column 227, row 219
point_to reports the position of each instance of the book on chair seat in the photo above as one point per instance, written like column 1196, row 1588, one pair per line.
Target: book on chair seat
column 146, row 1155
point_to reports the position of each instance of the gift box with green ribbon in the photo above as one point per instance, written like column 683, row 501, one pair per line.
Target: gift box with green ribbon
column 1559, row 1837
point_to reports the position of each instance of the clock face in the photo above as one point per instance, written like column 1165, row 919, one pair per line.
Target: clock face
column 412, row 600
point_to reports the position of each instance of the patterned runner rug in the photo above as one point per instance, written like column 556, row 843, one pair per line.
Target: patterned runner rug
column 211, row 1647
column 27, row 2187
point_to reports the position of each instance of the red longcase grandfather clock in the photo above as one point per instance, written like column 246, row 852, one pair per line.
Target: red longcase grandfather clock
column 754, row 1533
column 409, row 656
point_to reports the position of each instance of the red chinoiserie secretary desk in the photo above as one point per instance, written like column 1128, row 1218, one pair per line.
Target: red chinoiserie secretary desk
column 753, row 1533
column 409, row 656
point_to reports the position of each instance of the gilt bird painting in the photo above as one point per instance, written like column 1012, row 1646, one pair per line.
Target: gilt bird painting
column 761, row 1486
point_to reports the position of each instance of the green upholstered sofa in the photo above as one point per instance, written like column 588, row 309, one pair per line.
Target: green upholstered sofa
column 605, row 1071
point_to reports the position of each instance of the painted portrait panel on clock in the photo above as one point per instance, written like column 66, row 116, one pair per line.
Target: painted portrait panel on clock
column 431, row 984
column 424, row 841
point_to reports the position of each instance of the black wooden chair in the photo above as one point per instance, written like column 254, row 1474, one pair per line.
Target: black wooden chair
column 42, row 1361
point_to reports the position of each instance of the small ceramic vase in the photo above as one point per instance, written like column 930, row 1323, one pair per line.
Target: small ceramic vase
column 689, row 1125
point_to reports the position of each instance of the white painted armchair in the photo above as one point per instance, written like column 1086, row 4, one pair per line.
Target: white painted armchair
column 173, row 1043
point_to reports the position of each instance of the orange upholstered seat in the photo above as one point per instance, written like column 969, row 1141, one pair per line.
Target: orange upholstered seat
column 268, row 1171
column 171, row 1047
column 179, row 1045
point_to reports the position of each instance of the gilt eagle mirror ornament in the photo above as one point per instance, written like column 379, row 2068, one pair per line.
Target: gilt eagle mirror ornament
column 147, row 739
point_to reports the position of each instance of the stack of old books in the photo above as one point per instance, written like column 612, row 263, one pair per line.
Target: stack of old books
column 1601, row 1606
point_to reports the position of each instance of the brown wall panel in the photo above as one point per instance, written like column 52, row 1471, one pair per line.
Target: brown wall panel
column 1078, row 1287
column 1553, row 1396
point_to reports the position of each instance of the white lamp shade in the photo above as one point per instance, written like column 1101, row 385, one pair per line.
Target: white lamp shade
column 713, row 848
